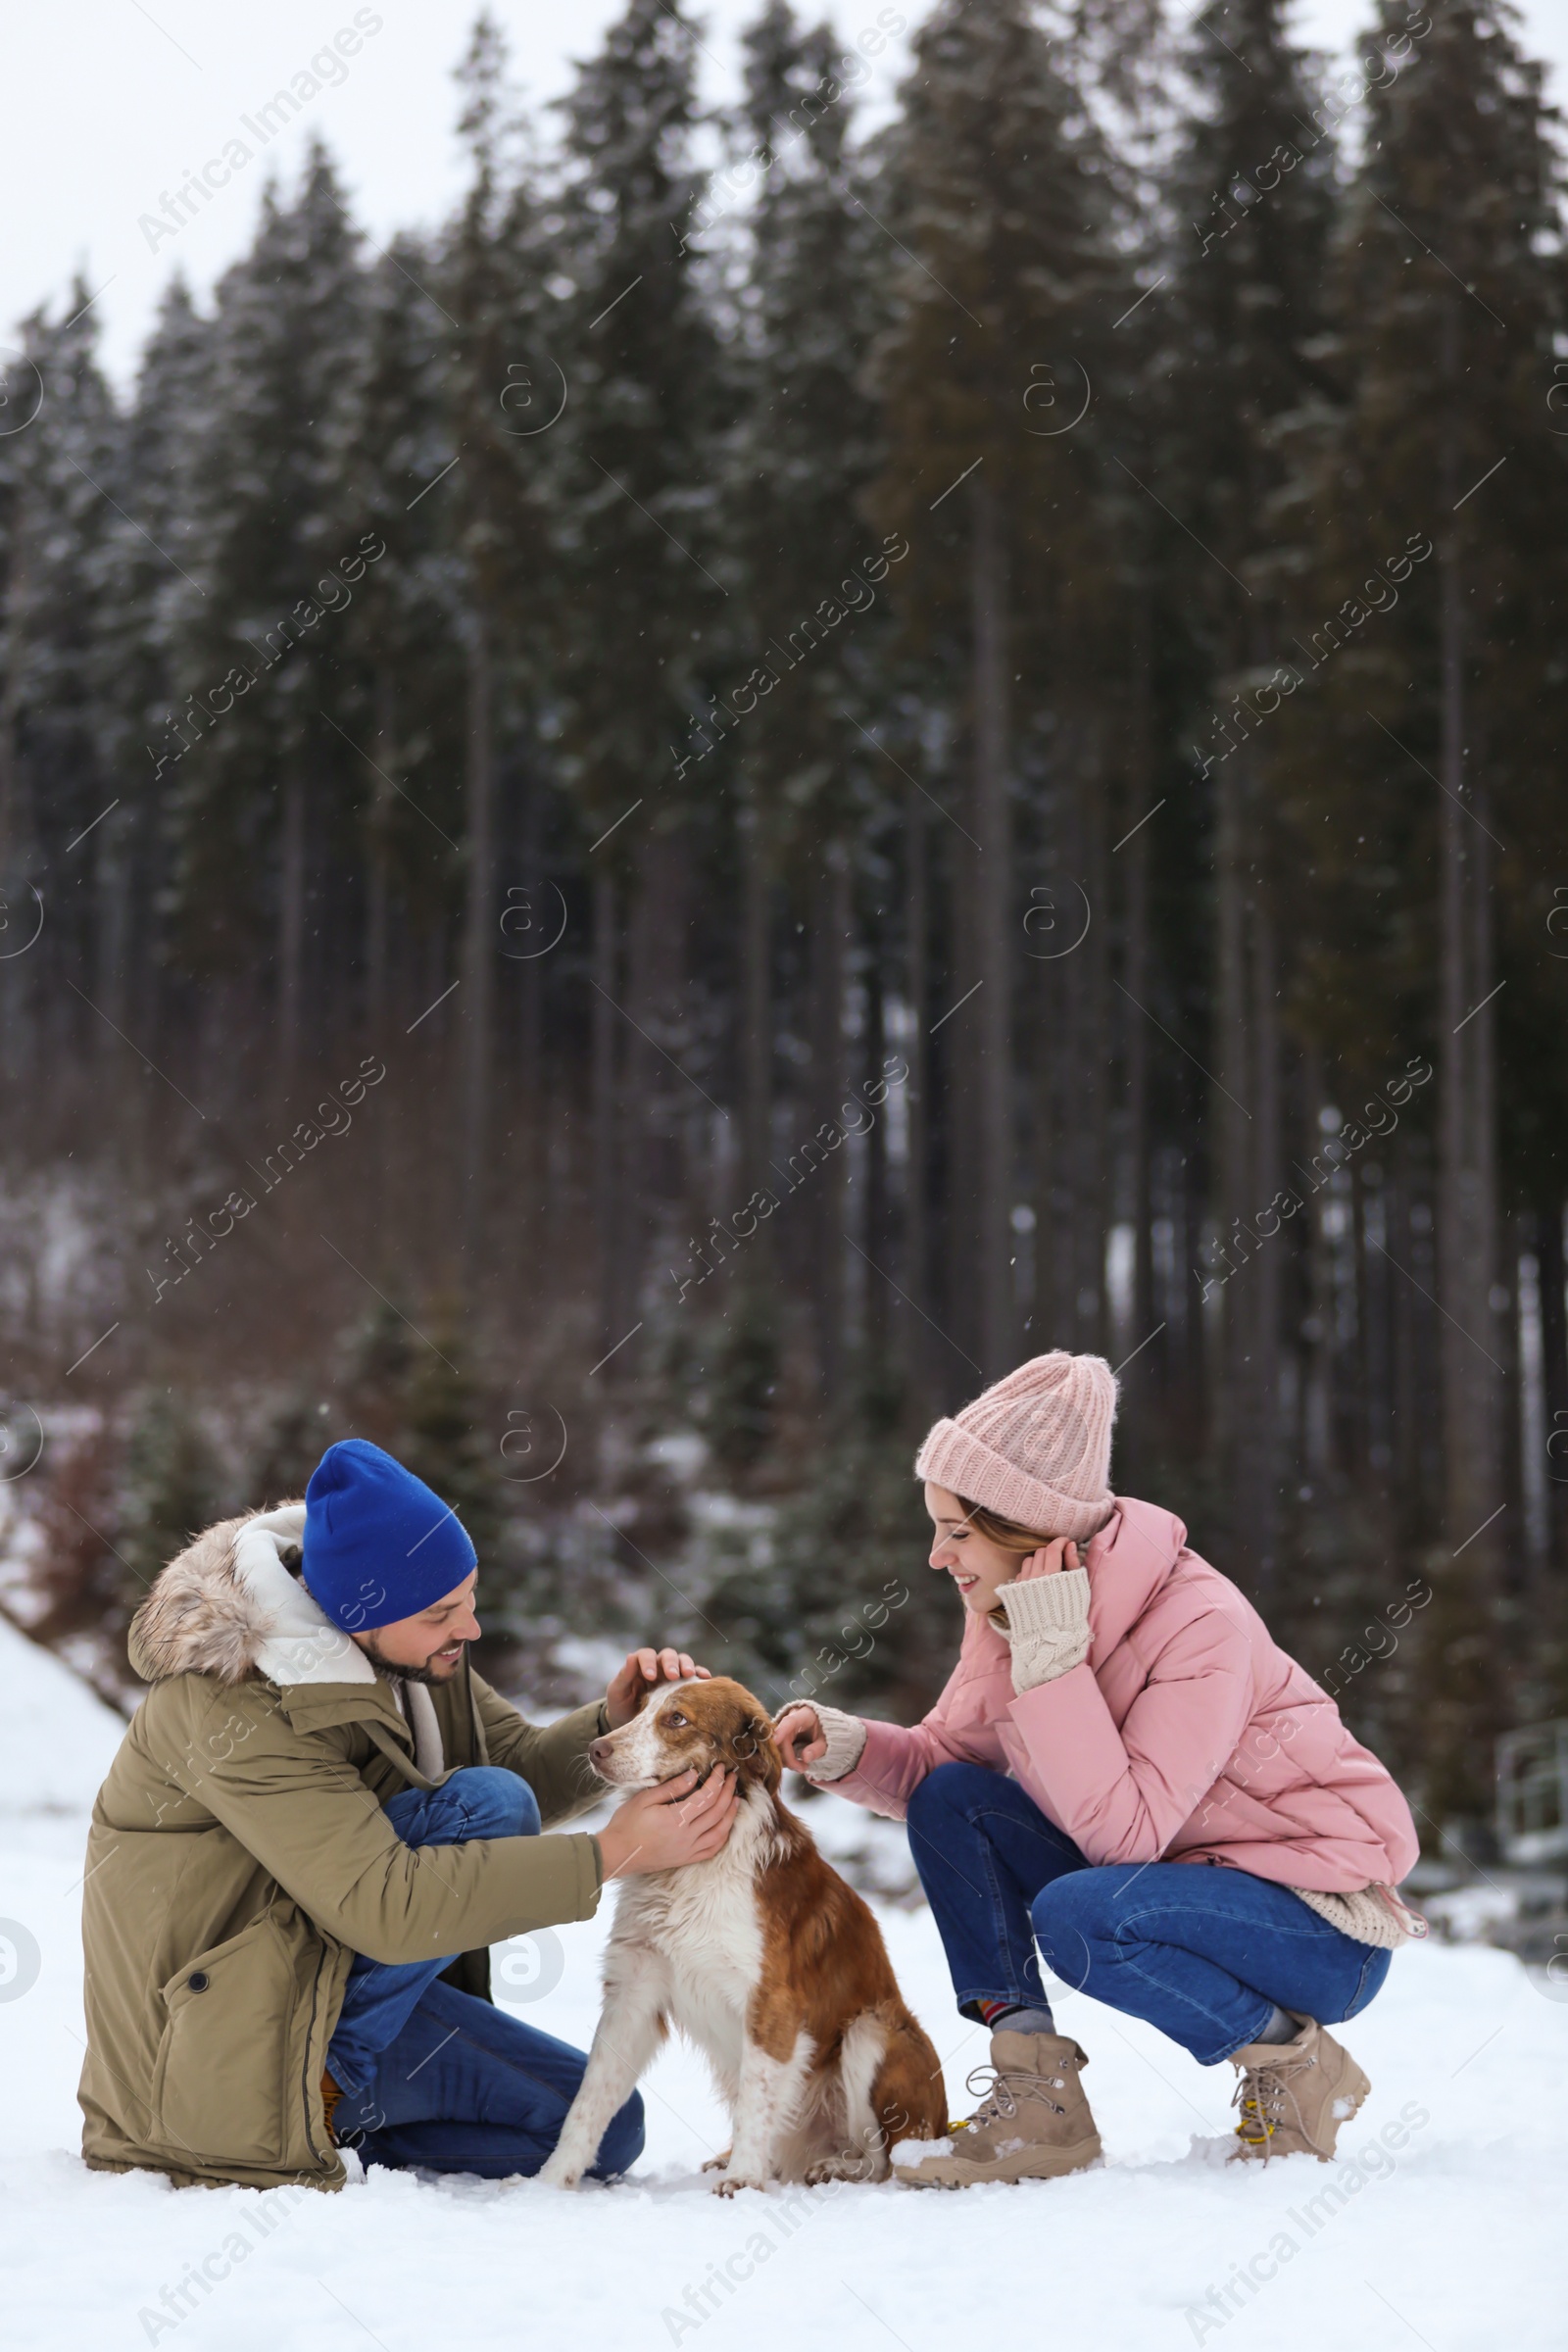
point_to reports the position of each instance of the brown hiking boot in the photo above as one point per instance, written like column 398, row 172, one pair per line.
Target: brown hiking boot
column 1033, row 2121
column 1293, row 2095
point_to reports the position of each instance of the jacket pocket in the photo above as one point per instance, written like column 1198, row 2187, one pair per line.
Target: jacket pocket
column 219, row 2084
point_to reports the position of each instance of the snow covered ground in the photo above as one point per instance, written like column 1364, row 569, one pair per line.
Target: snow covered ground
column 1444, row 2227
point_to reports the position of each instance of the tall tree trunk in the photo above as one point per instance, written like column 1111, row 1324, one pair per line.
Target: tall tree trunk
column 757, row 1017
column 1467, row 1184
column 1317, row 1414
column 144, row 878
column 828, row 1079
column 1465, row 1683
column 955, row 1128
column 1403, row 1299
column 480, row 942
column 1453, row 1205
column 14, row 826
column 755, row 1303
column 1236, row 1150
column 876, row 1238
column 531, row 1085
column 1550, row 1256
column 1492, row 1326
column 659, row 1095
column 1194, row 1190
column 113, row 879
column 1263, row 1369
column 17, row 835
column 1053, row 1201
column 993, row 955
column 379, row 879
column 291, row 923
column 1142, row 1375
column 606, row 1120
column 917, row 1172
column 1092, row 1134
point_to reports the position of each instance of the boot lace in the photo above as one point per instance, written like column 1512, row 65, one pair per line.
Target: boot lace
column 998, row 2094
column 1267, row 2101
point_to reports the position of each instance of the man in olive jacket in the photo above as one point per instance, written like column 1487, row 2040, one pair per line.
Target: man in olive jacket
column 318, row 1820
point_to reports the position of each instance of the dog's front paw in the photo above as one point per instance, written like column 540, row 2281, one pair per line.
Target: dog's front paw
column 843, row 2167
column 559, row 2172
column 732, row 2183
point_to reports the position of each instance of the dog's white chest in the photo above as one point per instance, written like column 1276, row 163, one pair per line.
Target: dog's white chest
column 705, row 1928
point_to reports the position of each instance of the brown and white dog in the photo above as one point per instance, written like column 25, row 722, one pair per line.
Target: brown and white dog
column 764, row 1958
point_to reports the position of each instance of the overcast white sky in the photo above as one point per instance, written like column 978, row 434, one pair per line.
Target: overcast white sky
column 106, row 105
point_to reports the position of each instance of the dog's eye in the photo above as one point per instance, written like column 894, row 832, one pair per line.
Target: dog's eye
column 675, row 1720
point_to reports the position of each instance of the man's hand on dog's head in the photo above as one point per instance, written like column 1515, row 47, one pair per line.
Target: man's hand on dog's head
column 647, row 1670
column 798, row 1736
column 668, row 1826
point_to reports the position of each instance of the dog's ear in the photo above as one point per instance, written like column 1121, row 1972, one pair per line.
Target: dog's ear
column 754, row 1752
column 757, row 1753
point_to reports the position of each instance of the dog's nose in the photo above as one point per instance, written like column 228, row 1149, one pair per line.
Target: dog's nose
column 599, row 1752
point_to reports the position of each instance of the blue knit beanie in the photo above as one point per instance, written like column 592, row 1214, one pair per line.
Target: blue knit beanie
column 378, row 1544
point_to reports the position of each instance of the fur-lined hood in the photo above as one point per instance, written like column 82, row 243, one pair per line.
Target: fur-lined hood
column 229, row 1606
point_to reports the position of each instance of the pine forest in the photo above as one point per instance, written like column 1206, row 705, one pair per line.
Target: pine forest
column 824, row 743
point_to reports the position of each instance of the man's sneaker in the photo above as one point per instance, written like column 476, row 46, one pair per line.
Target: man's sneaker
column 1293, row 2096
column 1033, row 2121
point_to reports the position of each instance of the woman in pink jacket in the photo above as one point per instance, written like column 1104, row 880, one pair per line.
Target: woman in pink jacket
column 1125, row 1772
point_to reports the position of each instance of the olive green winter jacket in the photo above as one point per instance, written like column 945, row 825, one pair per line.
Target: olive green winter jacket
column 239, row 1858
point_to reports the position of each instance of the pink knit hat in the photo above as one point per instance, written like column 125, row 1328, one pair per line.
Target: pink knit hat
column 1033, row 1448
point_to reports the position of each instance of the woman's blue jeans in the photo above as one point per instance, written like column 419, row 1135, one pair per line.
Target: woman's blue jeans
column 435, row 2077
column 1203, row 1953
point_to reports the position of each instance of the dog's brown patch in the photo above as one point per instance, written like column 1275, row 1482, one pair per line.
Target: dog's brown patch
column 823, row 1963
column 709, row 1725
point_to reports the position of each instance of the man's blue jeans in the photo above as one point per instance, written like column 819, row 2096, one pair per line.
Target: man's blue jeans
column 1203, row 1953
column 435, row 2077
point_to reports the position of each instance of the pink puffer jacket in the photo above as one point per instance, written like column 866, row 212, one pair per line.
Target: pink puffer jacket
column 1186, row 1734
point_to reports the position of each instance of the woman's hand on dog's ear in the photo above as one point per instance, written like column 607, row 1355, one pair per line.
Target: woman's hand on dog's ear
column 647, row 1670
column 798, row 1734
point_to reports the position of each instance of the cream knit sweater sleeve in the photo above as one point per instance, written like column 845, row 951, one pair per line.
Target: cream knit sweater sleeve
column 1044, row 1622
column 845, row 1738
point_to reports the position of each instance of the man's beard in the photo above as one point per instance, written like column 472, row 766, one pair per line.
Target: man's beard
column 409, row 1674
